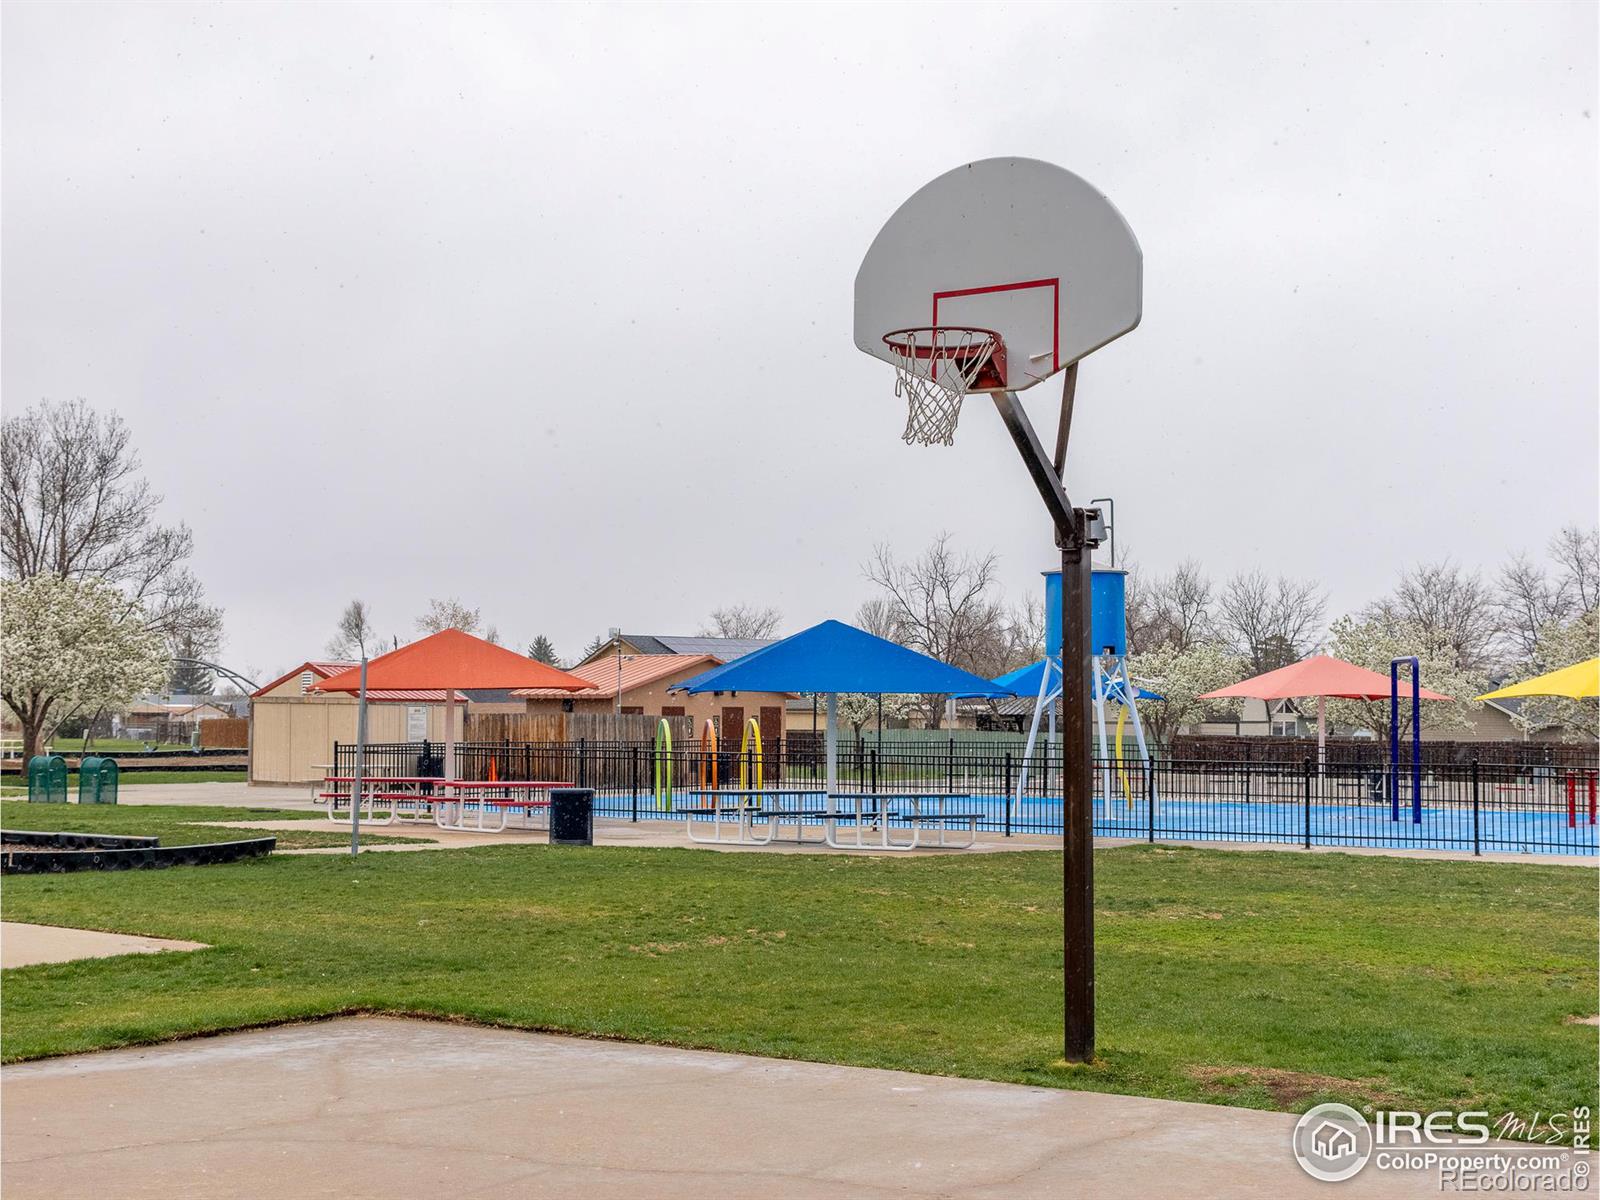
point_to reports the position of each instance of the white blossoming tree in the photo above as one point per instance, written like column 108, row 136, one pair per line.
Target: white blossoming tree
column 73, row 644
column 1560, row 644
column 1181, row 676
column 859, row 710
column 1376, row 641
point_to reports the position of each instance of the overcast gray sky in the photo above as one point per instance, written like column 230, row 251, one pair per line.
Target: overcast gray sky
column 550, row 308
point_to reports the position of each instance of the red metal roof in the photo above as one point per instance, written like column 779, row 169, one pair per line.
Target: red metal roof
column 637, row 671
column 326, row 669
column 453, row 659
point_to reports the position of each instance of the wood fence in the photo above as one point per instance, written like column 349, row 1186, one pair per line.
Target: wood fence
column 219, row 733
column 572, row 727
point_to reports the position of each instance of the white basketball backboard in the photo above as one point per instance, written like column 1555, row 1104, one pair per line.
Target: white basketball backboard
column 1015, row 245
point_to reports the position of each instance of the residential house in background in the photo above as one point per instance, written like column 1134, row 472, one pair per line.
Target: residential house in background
column 170, row 718
column 644, row 680
column 723, row 648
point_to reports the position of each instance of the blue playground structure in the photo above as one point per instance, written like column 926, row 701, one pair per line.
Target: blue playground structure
column 1108, row 630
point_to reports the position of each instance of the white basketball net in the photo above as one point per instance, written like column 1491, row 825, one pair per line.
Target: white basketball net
column 934, row 368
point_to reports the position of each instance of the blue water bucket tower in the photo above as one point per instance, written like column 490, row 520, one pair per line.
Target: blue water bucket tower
column 1108, row 614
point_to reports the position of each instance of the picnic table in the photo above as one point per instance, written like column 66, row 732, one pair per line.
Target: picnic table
column 403, row 797
column 444, row 802
column 869, row 816
column 743, row 807
column 528, row 796
column 871, row 811
column 319, row 786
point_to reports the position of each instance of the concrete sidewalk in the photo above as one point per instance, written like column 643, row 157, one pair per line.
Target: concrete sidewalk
column 230, row 795
column 23, row 945
column 377, row 1107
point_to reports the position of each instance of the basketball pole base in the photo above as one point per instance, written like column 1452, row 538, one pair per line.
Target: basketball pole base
column 1075, row 536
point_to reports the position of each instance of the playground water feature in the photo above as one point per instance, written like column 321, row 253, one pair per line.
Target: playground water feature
column 1488, row 829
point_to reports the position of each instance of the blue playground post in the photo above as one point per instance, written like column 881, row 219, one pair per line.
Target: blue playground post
column 1416, row 739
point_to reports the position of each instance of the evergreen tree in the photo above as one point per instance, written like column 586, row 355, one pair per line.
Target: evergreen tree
column 189, row 678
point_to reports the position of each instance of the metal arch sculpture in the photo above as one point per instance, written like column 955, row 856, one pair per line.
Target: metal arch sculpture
column 752, row 734
column 663, row 766
column 708, row 755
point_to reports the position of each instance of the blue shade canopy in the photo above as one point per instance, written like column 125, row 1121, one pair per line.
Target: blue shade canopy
column 1024, row 681
column 835, row 657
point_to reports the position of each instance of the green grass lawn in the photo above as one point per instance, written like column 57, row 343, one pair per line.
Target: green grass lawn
column 176, row 824
column 16, row 785
column 1265, row 979
column 71, row 745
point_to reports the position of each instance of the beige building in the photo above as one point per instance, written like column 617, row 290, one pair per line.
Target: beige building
column 645, row 680
column 292, row 730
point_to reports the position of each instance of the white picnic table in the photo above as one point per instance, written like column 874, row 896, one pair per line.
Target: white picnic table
column 741, row 811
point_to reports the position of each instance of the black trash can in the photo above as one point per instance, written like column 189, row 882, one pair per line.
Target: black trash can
column 572, row 816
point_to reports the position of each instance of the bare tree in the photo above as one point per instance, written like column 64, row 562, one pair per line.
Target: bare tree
column 1025, row 631
column 449, row 613
column 742, row 621
column 1576, row 552
column 1527, row 600
column 354, row 634
column 1269, row 622
column 876, row 616
column 74, row 505
column 943, row 603
column 1139, row 605
column 1449, row 607
column 1180, row 607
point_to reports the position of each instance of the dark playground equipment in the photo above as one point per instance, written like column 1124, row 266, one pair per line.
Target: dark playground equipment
column 30, row 852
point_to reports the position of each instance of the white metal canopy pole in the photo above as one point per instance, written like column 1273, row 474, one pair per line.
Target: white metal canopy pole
column 831, row 752
column 1130, row 700
column 361, row 762
column 831, row 744
column 1047, row 696
column 1322, row 735
column 1100, row 727
column 450, row 734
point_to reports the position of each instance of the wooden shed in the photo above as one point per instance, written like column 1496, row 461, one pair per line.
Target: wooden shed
column 292, row 732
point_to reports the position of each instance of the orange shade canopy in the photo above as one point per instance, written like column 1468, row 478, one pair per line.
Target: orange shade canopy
column 1319, row 675
column 453, row 659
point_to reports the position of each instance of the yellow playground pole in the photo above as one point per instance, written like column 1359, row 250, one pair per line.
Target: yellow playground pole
column 752, row 733
column 1122, row 766
column 663, row 765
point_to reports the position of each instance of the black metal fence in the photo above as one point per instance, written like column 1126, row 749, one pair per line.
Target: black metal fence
column 1477, row 807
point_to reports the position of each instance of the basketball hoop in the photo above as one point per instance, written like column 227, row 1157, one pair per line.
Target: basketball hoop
column 935, row 366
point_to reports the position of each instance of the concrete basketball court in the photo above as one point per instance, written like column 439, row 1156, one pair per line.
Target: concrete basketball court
column 384, row 1107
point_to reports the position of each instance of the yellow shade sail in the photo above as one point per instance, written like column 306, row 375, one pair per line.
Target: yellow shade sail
column 1578, row 681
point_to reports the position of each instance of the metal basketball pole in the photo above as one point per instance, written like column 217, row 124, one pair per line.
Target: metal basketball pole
column 1077, row 804
column 1077, row 533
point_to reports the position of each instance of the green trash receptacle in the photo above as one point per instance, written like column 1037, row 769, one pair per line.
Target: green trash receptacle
column 97, row 781
column 47, row 779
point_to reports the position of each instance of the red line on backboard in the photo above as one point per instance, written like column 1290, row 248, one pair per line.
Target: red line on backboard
column 1055, row 307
